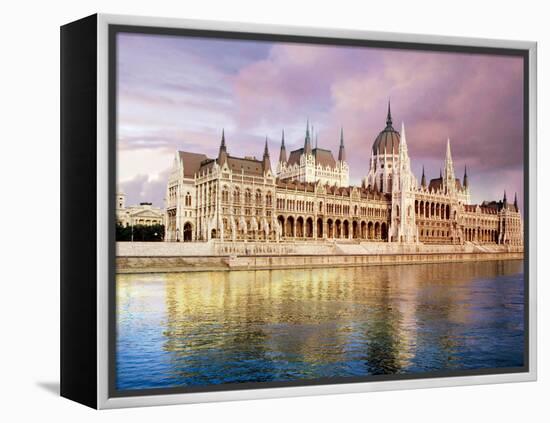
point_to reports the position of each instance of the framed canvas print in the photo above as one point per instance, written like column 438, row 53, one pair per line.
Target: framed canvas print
column 254, row 211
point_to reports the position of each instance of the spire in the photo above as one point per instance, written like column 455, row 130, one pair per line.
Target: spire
column 307, row 143
column 516, row 201
column 282, row 154
column 388, row 117
column 266, row 162
column 423, row 183
column 440, row 174
column 342, row 151
column 403, row 138
column 222, row 154
column 504, row 200
column 404, row 161
column 465, row 180
column 266, row 151
column 449, row 172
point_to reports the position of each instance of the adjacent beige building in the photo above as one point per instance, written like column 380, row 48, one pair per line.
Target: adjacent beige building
column 142, row 214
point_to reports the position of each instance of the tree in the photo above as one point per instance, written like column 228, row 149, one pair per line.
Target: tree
column 142, row 233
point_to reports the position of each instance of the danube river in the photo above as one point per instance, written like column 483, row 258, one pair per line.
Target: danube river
column 203, row 328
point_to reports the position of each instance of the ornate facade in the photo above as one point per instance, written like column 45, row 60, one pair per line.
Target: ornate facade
column 309, row 198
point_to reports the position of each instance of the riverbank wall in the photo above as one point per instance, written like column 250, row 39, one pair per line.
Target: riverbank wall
column 162, row 257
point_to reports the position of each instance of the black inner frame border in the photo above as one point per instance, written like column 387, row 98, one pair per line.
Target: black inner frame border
column 114, row 29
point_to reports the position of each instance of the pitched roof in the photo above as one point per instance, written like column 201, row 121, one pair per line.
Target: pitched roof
column 237, row 165
column 437, row 183
column 322, row 157
column 194, row 163
column 246, row 165
column 295, row 185
column 191, row 162
column 295, row 156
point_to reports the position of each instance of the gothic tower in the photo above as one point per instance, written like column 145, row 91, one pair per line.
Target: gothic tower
column 342, row 166
column 222, row 154
column 307, row 142
column 449, row 182
column 266, row 163
column 342, row 151
column 281, row 165
column 403, row 221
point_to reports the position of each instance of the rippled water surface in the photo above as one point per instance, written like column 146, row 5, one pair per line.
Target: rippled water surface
column 284, row 325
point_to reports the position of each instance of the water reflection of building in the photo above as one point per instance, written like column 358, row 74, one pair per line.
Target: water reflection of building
column 309, row 198
column 326, row 322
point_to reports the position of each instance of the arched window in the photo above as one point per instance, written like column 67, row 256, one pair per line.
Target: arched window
column 225, row 194
column 258, row 198
column 188, row 199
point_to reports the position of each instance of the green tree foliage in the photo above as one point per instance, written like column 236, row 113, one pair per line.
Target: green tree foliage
column 140, row 233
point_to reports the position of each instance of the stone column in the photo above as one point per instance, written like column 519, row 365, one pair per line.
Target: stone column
column 314, row 227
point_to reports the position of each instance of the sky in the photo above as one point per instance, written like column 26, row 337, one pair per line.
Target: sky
column 177, row 93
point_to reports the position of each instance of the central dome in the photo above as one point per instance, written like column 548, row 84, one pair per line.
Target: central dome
column 387, row 140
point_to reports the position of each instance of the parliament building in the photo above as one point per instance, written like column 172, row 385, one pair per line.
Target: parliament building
column 309, row 197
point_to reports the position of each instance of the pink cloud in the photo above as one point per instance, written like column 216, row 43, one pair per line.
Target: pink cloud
column 192, row 93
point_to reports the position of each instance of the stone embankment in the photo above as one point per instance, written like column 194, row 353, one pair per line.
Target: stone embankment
column 161, row 257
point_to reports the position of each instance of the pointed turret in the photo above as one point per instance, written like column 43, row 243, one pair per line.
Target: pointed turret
column 388, row 117
column 516, row 201
column 404, row 161
column 342, row 151
column 403, row 142
column 504, row 200
column 423, row 181
column 282, row 154
column 403, row 226
column 449, row 173
column 465, row 182
column 222, row 154
column 307, row 143
column 266, row 162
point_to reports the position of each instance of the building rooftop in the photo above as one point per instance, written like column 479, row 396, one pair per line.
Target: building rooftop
column 322, row 156
column 191, row 162
column 437, row 183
